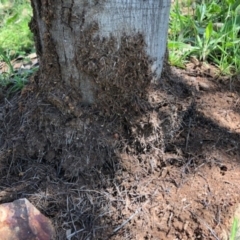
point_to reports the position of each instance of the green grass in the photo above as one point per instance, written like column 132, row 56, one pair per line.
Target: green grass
column 15, row 35
column 15, row 39
column 234, row 230
column 208, row 30
column 13, row 80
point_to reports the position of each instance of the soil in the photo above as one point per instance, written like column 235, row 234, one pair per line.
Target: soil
column 171, row 172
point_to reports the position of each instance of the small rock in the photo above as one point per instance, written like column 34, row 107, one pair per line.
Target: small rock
column 21, row 220
column 231, row 95
column 203, row 86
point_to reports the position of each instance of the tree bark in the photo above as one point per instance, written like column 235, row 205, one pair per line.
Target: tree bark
column 102, row 52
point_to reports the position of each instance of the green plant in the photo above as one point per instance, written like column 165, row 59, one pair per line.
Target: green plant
column 209, row 30
column 234, row 229
column 13, row 80
column 5, row 57
column 178, row 52
column 15, row 39
column 14, row 31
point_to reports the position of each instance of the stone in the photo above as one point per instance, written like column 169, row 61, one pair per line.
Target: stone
column 21, row 220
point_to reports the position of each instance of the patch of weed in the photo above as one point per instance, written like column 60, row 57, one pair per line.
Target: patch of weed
column 14, row 31
column 15, row 39
column 208, row 30
column 13, row 80
column 234, row 229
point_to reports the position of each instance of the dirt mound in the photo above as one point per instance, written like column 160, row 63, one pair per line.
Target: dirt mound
column 170, row 172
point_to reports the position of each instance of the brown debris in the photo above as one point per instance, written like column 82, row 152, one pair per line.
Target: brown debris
column 170, row 172
column 121, row 76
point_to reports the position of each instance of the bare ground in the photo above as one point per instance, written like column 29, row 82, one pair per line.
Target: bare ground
column 171, row 172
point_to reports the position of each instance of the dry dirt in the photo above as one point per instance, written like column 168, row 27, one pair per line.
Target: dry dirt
column 171, row 172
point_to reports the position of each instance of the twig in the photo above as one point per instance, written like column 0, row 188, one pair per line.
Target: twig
column 74, row 233
column 119, row 193
column 8, row 102
column 189, row 129
column 169, row 222
column 9, row 169
column 209, row 189
column 125, row 222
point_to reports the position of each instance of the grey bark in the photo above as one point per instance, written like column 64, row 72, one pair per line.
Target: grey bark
column 63, row 22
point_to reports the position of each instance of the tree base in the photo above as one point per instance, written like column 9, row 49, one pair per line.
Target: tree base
column 89, row 148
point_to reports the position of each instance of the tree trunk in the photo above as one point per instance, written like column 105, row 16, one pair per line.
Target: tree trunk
column 103, row 52
column 87, row 115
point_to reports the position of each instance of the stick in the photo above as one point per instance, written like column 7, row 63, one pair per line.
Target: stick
column 125, row 222
column 189, row 129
